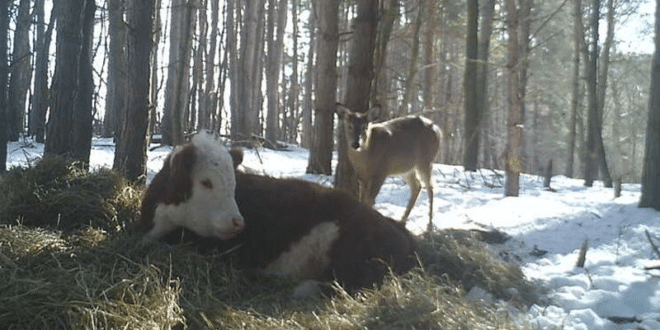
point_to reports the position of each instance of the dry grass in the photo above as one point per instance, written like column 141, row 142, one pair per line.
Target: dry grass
column 87, row 272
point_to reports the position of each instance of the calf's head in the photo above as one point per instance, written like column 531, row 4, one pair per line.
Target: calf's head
column 195, row 190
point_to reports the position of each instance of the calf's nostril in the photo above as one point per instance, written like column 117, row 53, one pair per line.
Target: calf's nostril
column 238, row 222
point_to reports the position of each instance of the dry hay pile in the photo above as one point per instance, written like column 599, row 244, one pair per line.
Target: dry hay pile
column 87, row 273
column 58, row 193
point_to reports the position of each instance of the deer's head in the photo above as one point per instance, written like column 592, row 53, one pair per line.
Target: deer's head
column 356, row 124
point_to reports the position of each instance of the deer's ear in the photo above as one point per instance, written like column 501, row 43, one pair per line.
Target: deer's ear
column 374, row 113
column 342, row 111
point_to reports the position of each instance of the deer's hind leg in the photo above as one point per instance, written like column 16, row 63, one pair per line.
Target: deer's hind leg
column 415, row 187
column 425, row 173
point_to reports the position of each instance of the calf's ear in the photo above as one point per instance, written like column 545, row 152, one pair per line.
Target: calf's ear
column 181, row 166
column 236, row 156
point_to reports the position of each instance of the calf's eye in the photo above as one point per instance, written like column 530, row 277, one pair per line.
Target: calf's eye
column 207, row 183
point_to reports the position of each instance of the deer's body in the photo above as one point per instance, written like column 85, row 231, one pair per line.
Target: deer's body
column 403, row 146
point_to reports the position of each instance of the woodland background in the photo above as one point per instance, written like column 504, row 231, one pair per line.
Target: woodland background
column 526, row 86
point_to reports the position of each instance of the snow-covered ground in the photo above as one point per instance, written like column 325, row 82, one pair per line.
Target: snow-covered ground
column 613, row 285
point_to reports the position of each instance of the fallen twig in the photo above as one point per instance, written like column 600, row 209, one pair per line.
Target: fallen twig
column 655, row 248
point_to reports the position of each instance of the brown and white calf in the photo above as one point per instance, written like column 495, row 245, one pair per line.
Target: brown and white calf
column 194, row 190
column 312, row 233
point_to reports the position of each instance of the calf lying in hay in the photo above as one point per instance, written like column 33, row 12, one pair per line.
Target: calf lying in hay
column 300, row 229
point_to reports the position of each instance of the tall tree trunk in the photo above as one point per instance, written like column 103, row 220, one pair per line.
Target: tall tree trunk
column 275, row 39
column 155, row 60
column 249, row 95
column 294, row 90
column 358, row 86
column 390, row 14
column 472, row 113
column 131, row 152
column 483, row 54
column 117, row 90
column 320, row 154
column 404, row 107
column 428, row 57
column 21, row 71
column 578, row 36
column 232, row 64
column 514, row 161
column 591, row 165
column 41, row 97
column 604, row 64
column 176, row 89
column 70, row 124
column 309, row 84
column 210, row 98
column 4, row 76
column 651, row 167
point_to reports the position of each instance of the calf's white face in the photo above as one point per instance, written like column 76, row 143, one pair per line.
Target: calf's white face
column 202, row 178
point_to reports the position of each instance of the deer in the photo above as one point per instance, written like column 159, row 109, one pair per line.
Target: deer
column 404, row 146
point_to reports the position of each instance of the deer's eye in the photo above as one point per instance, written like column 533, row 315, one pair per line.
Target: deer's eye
column 207, row 183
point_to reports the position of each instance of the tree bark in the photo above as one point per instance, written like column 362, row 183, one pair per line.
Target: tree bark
column 117, row 90
column 308, row 86
column 578, row 36
column 514, row 161
column 408, row 89
column 591, row 157
column 277, row 10
column 358, row 86
column 131, row 151
column 320, row 154
column 651, row 167
column 70, row 124
column 4, row 76
column 21, row 71
column 41, row 98
column 472, row 113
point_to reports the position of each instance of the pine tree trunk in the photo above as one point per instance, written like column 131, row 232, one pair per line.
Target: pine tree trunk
column 276, row 21
column 41, row 98
column 591, row 157
column 471, row 123
column 514, row 161
column 4, row 76
column 117, row 90
column 21, row 71
column 320, row 154
column 307, row 104
column 575, row 83
column 70, row 124
column 651, row 167
column 358, row 86
column 131, row 152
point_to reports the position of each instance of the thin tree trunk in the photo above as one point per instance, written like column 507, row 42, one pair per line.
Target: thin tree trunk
column 358, row 87
column 21, row 71
column 514, row 161
column 472, row 113
column 404, row 107
column 117, row 90
column 41, row 96
column 70, row 124
column 275, row 40
column 602, row 89
column 4, row 76
column 591, row 165
column 131, row 153
column 575, row 83
column 651, row 167
column 309, row 84
column 320, row 154
column 294, row 89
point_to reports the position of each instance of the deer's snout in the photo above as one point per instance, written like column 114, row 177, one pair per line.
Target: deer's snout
column 355, row 144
